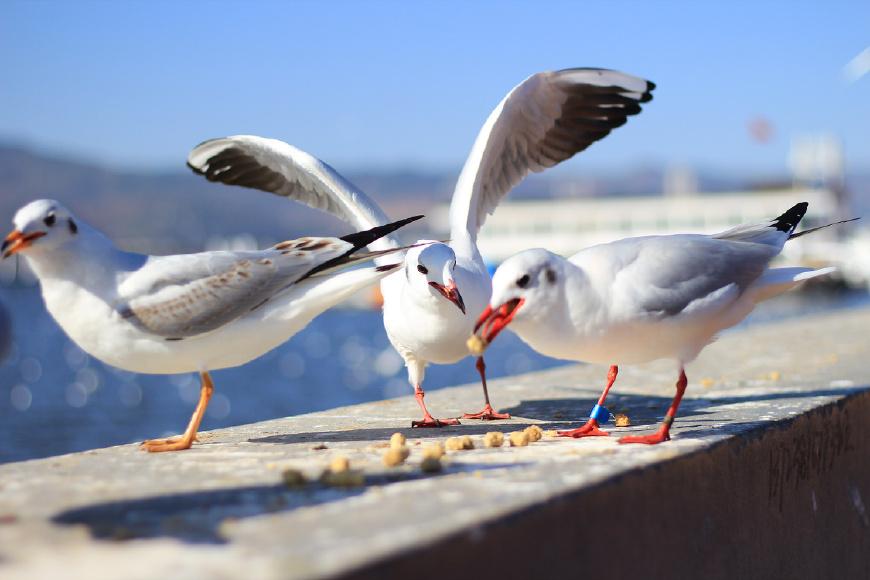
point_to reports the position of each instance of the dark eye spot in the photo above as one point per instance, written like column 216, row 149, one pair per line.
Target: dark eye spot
column 551, row 276
column 73, row 228
column 523, row 281
column 50, row 219
column 422, row 269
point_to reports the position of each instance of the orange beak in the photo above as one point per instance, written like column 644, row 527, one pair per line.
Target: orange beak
column 16, row 241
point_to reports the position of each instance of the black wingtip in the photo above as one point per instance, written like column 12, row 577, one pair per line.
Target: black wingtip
column 364, row 238
column 788, row 221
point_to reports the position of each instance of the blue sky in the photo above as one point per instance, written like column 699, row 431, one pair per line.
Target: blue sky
column 408, row 84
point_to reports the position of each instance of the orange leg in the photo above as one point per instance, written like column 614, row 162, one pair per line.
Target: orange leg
column 488, row 413
column 189, row 436
column 590, row 429
column 664, row 432
column 428, row 420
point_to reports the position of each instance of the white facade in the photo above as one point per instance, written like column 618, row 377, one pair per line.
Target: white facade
column 565, row 226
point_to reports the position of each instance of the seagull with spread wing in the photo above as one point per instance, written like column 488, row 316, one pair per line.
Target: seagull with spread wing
column 185, row 313
column 640, row 299
column 431, row 304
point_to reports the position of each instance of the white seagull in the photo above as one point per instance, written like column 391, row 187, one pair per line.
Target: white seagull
column 640, row 299
column 184, row 313
column 430, row 306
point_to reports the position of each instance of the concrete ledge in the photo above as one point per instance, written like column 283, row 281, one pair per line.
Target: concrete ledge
column 768, row 476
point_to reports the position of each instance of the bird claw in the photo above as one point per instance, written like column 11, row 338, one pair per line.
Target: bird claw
column 590, row 429
column 487, row 414
column 432, row 422
column 168, row 444
column 653, row 439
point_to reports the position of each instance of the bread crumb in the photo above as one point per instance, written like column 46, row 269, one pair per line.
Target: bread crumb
column 397, row 440
column 775, row 376
column 534, row 432
column 431, row 465
column 493, row 439
column 395, row 456
column 433, row 451
column 707, row 382
column 476, row 345
column 550, row 433
column 293, row 478
column 459, row 443
column 339, row 463
column 519, row 439
column 346, row 478
column 621, row 420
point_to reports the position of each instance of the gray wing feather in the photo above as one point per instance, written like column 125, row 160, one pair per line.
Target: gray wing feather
column 543, row 121
column 277, row 167
column 182, row 296
column 666, row 276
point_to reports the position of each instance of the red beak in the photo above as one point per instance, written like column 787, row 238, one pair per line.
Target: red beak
column 451, row 293
column 16, row 241
column 492, row 321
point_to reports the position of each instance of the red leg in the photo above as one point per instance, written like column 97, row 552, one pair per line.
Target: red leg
column 664, row 432
column 428, row 420
column 488, row 413
column 590, row 429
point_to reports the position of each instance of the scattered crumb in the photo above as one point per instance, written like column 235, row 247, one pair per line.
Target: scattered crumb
column 493, row 439
column 380, row 445
column 707, row 382
column 477, row 473
column 319, row 447
column 397, row 440
column 534, row 432
column 431, row 465
column 550, row 433
column 433, row 451
column 519, row 439
column 339, row 463
column 622, row 420
column 774, row 375
column 346, row 478
column 476, row 345
column 395, row 456
column 293, row 478
column 459, row 443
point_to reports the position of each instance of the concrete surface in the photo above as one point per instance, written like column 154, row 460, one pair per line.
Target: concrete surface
column 767, row 475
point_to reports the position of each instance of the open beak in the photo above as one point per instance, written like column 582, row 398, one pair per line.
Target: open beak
column 493, row 320
column 451, row 293
column 16, row 241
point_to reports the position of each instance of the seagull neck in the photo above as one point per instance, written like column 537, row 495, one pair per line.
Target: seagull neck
column 89, row 261
column 465, row 246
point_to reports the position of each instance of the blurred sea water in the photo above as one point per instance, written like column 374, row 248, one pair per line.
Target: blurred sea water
column 56, row 399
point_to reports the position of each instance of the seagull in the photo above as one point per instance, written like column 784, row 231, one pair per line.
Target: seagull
column 640, row 299
column 431, row 304
column 185, row 313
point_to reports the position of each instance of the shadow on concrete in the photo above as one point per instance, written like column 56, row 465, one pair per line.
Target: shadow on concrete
column 564, row 413
column 196, row 517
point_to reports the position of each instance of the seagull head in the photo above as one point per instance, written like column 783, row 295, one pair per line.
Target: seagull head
column 40, row 225
column 523, row 289
column 429, row 269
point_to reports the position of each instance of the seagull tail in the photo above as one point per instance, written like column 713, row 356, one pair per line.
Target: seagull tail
column 776, row 281
column 811, row 230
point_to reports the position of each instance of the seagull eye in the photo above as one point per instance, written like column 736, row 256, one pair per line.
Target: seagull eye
column 524, row 281
column 422, row 269
column 50, row 219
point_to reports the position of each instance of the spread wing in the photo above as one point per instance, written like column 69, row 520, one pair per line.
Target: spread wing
column 276, row 167
column 543, row 121
column 181, row 296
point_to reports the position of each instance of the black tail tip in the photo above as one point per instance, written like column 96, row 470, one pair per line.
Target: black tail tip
column 361, row 239
column 788, row 221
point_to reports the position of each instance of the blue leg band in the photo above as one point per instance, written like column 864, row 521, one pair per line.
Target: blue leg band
column 600, row 414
